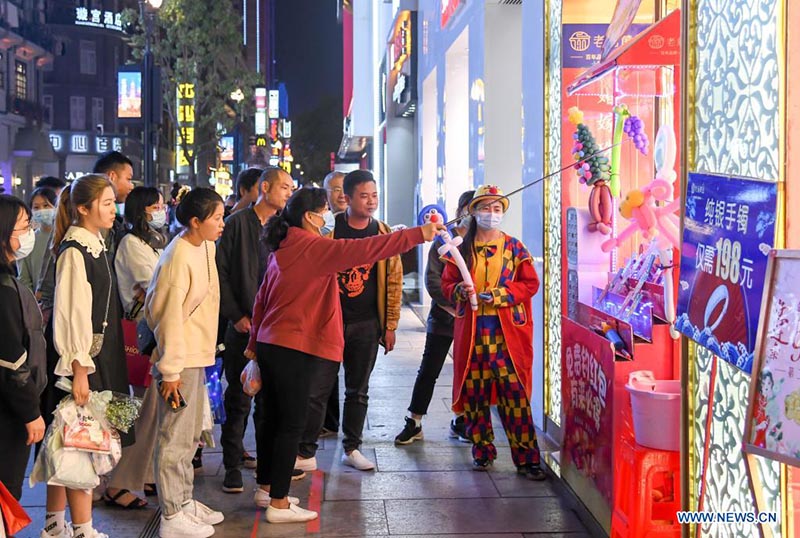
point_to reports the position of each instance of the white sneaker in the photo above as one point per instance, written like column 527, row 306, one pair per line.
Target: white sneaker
column 356, row 459
column 293, row 514
column 203, row 512
column 307, row 465
column 184, row 525
column 262, row 498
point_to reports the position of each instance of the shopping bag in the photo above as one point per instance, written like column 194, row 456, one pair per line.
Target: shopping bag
column 251, row 378
column 215, row 392
column 138, row 364
column 14, row 517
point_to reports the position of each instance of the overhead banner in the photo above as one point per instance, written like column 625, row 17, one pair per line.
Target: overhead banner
column 729, row 230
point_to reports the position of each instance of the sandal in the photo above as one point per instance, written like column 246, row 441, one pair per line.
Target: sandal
column 135, row 504
column 150, row 490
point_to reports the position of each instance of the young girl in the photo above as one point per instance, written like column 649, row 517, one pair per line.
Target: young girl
column 493, row 348
column 182, row 309
column 43, row 214
column 137, row 255
column 87, row 326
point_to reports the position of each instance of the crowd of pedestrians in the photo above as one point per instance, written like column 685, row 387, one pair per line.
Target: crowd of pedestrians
column 300, row 281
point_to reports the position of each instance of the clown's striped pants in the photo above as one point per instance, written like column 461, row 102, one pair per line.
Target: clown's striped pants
column 491, row 369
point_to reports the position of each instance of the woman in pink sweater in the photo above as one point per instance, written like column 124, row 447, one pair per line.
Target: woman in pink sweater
column 297, row 322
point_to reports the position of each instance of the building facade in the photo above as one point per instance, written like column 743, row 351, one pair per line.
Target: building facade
column 26, row 46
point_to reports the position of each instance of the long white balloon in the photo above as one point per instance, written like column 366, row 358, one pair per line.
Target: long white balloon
column 451, row 245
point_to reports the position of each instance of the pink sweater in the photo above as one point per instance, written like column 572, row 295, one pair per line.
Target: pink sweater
column 297, row 305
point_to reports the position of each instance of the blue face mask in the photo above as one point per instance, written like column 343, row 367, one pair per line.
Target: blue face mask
column 158, row 219
column 44, row 217
column 330, row 220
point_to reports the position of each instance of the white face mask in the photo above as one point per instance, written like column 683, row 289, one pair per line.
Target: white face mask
column 26, row 243
column 158, row 219
column 330, row 220
column 488, row 221
column 324, row 217
column 44, row 217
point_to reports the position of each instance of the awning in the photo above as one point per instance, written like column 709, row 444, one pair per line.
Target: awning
column 657, row 46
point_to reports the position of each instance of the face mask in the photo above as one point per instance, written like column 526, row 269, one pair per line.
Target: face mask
column 323, row 217
column 26, row 243
column 120, row 209
column 488, row 221
column 330, row 220
column 158, row 219
column 466, row 220
column 44, row 217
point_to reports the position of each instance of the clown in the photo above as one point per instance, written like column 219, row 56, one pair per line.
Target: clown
column 493, row 347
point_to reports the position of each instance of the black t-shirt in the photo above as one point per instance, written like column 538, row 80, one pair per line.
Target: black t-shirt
column 358, row 287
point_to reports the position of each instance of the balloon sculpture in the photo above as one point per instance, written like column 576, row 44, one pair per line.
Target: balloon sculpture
column 656, row 222
column 633, row 126
column 594, row 171
column 435, row 213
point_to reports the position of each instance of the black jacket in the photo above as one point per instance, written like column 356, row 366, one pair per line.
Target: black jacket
column 22, row 374
column 439, row 320
column 241, row 263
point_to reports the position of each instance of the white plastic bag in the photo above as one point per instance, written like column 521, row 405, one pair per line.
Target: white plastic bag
column 251, row 378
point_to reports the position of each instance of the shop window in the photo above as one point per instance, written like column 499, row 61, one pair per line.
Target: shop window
column 21, row 79
column 88, row 58
column 77, row 113
column 98, row 111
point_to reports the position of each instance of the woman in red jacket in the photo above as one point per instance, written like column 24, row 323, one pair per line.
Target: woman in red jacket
column 297, row 322
column 493, row 346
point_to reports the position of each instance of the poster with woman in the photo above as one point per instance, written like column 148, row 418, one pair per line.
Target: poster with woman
column 773, row 416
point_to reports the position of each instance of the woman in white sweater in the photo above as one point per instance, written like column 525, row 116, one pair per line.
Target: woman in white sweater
column 182, row 303
column 137, row 255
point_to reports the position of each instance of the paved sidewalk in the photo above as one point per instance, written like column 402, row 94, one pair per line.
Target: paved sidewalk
column 425, row 489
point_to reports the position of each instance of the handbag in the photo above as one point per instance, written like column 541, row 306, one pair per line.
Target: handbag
column 97, row 339
column 13, row 515
column 138, row 363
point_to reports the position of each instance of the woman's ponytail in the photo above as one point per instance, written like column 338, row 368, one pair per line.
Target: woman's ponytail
column 64, row 218
column 275, row 231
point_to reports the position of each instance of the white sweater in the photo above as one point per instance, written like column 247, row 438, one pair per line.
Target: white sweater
column 182, row 307
column 134, row 262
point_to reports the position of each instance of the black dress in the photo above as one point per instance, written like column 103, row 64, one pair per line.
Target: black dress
column 111, row 370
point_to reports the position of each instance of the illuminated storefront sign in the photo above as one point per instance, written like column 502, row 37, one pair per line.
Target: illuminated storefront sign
column 185, row 132
column 285, row 128
column 274, row 104
column 261, row 111
column 65, row 142
column 583, row 43
column 97, row 18
column 402, row 77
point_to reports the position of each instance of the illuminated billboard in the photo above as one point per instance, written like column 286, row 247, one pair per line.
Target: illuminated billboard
column 226, row 153
column 129, row 94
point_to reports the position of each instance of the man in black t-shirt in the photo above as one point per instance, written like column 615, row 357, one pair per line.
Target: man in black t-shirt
column 371, row 297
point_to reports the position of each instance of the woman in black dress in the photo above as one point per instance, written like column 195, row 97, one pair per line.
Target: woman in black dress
column 86, row 306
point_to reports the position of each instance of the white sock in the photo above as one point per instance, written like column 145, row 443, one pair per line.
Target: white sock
column 417, row 421
column 84, row 530
column 54, row 522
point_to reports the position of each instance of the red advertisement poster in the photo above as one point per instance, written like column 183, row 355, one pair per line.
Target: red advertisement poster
column 587, row 386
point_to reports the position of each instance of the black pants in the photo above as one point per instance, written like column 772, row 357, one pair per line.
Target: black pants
column 360, row 352
column 14, row 453
column 237, row 403
column 282, row 400
column 433, row 357
column 332, row 411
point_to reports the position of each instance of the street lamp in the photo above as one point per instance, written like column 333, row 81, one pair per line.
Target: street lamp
column 147, row 9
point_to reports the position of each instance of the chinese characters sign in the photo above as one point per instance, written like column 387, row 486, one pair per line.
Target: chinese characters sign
column 97, row 18
column 185, row 138
column 583, row 43
column 729, row 231
column 587, row 363
column 773, row 416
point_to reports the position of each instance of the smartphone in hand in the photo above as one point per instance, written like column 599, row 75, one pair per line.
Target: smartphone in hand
column 180, row 406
